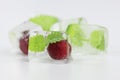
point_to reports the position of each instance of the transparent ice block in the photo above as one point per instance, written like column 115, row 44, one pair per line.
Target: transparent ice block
column 85, row 39
column 49, row 46
column 18, row 32
column 41, row 22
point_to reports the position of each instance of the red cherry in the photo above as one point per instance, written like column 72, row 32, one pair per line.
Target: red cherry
column 59, row 50
column 23, row 43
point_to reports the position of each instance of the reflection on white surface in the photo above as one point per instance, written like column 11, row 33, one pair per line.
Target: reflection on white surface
column 60, row 71
column 38, row 71
column 16, row 67
column 90, row 68
column 49, row 71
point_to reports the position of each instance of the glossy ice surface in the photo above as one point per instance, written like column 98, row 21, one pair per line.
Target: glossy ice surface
column 49, row 37
column 86, row 39
column 53, row 44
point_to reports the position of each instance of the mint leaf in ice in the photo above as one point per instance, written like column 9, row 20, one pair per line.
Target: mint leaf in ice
column 37, row 43
column 54, row 36
column 45, row 21
column 75, row 34
column 97, row 39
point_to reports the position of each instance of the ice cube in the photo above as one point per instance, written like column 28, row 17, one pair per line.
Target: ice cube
column 16, row 32
column 85, row 38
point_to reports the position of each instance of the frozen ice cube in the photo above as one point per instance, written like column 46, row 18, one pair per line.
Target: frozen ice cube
column 85, row 38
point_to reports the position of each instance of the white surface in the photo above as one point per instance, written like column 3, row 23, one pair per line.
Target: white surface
column 103, row 12
column 16, row 67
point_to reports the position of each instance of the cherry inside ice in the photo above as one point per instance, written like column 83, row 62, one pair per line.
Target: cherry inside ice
column 23, row 42
column 59, row 50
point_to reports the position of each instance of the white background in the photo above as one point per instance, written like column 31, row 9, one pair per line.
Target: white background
column 102, row 12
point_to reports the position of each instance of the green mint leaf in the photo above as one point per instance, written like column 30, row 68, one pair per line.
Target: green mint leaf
column 37, row 43
column 76, row 34
column 54, row 37
column 97, row 39
column 44, row 21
